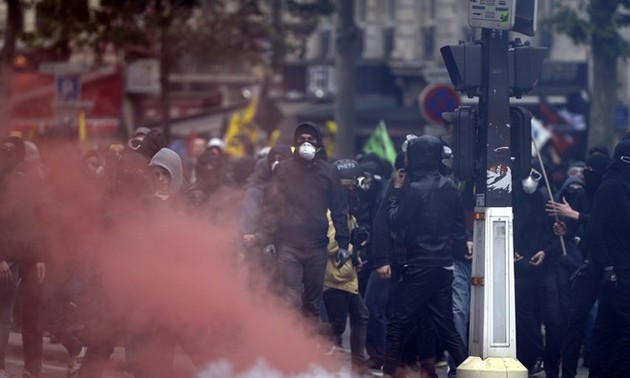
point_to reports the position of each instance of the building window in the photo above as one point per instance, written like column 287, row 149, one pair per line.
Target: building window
column 325, row 37
column 391, row 10
column 361, row 10
column 388, row 41
column 428, row 39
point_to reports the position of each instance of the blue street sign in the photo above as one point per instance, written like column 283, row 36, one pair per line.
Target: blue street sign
column 68, row 87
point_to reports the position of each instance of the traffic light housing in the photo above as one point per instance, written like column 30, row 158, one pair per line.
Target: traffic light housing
column 521, row 141
column 464, row 121
column 525, row 17
column 463, row 63
column 524, row 66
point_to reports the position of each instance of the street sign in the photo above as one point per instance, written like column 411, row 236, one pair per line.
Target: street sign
column 492, row 14
column 143, row 76
column 436, row 99
column 320, row 80
column 68, row 87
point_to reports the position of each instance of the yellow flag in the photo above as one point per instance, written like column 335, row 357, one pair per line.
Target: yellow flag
column 329, row 137
column 242, row 134
column 83, row 135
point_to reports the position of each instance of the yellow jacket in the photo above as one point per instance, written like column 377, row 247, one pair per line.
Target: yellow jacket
column 344, row 278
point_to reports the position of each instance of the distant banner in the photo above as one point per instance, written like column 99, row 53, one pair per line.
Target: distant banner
column 381, row 144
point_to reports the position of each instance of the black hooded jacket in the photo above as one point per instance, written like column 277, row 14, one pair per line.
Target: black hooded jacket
column 296, row 202
column 607, row 229
column 428, row 208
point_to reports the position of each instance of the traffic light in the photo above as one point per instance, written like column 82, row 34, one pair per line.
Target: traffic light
column 525, row 17
column 464, row 121
column 463, row 63
column 521, row 141
column 524, row 66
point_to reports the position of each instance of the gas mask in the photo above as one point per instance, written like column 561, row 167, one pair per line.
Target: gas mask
column 307, row 151
column 530, row 183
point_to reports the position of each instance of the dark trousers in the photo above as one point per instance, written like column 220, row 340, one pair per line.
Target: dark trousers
column 302, row 275
column 584, row 291
column 29, row 292
column 339, row 304
column 423, row 295
column 376, row 299
column 555, row 316
column 610, row 353
column 529, row 294
column 7, row 300
column 96, row 357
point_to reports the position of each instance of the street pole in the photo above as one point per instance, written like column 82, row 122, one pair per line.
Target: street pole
column 492, row 295
column 345, row 79
column 491, row 142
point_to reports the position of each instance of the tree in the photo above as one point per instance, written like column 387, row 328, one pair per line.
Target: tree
column 13, row 28
column 597, row 24
column 208, row 31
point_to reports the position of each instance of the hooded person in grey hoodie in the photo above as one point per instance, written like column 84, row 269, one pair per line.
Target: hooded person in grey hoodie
column 167, row 173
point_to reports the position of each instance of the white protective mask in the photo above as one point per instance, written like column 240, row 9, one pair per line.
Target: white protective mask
column 530, row 183
column 307, row 151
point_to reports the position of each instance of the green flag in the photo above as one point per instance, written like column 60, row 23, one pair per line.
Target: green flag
column 381, row 144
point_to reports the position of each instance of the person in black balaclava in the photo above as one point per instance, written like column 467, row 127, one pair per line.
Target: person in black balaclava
column 585, row 282
column 608, row 239
column 209, row 175
column 153, row 142
column 294, row 223
column 427, row 207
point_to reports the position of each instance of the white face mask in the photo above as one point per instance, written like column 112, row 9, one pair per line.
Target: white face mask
column 530, row 183
column 307, row 151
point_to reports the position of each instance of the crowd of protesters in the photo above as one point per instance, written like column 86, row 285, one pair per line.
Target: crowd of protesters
column 387, row 247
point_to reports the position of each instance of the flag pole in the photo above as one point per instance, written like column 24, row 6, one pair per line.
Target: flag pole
column 544, row 173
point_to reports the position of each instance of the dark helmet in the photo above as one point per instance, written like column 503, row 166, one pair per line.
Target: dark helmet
column 349, row 170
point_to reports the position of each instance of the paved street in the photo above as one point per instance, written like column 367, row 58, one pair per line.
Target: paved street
column 55, row 360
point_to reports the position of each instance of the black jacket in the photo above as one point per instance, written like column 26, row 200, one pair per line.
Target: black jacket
column 533, row 232
column 607, row 229
column 428, row 208
column 430, row 213
column 295, row 205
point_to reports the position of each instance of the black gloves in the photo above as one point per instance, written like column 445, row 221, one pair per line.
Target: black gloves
column 342, row 256
column 359, row 236
column 609, row 275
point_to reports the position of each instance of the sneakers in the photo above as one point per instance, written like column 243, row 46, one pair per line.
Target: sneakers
column 538, row 368
column 374, row 364
column 74, row 363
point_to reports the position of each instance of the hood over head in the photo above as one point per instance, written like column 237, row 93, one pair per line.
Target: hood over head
column 596, row 166
column 424, row 154
column 619, row 169
column 32, row 152
column 278, row 152
column 152, row 143
column 307, row 128
column 170, row 160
